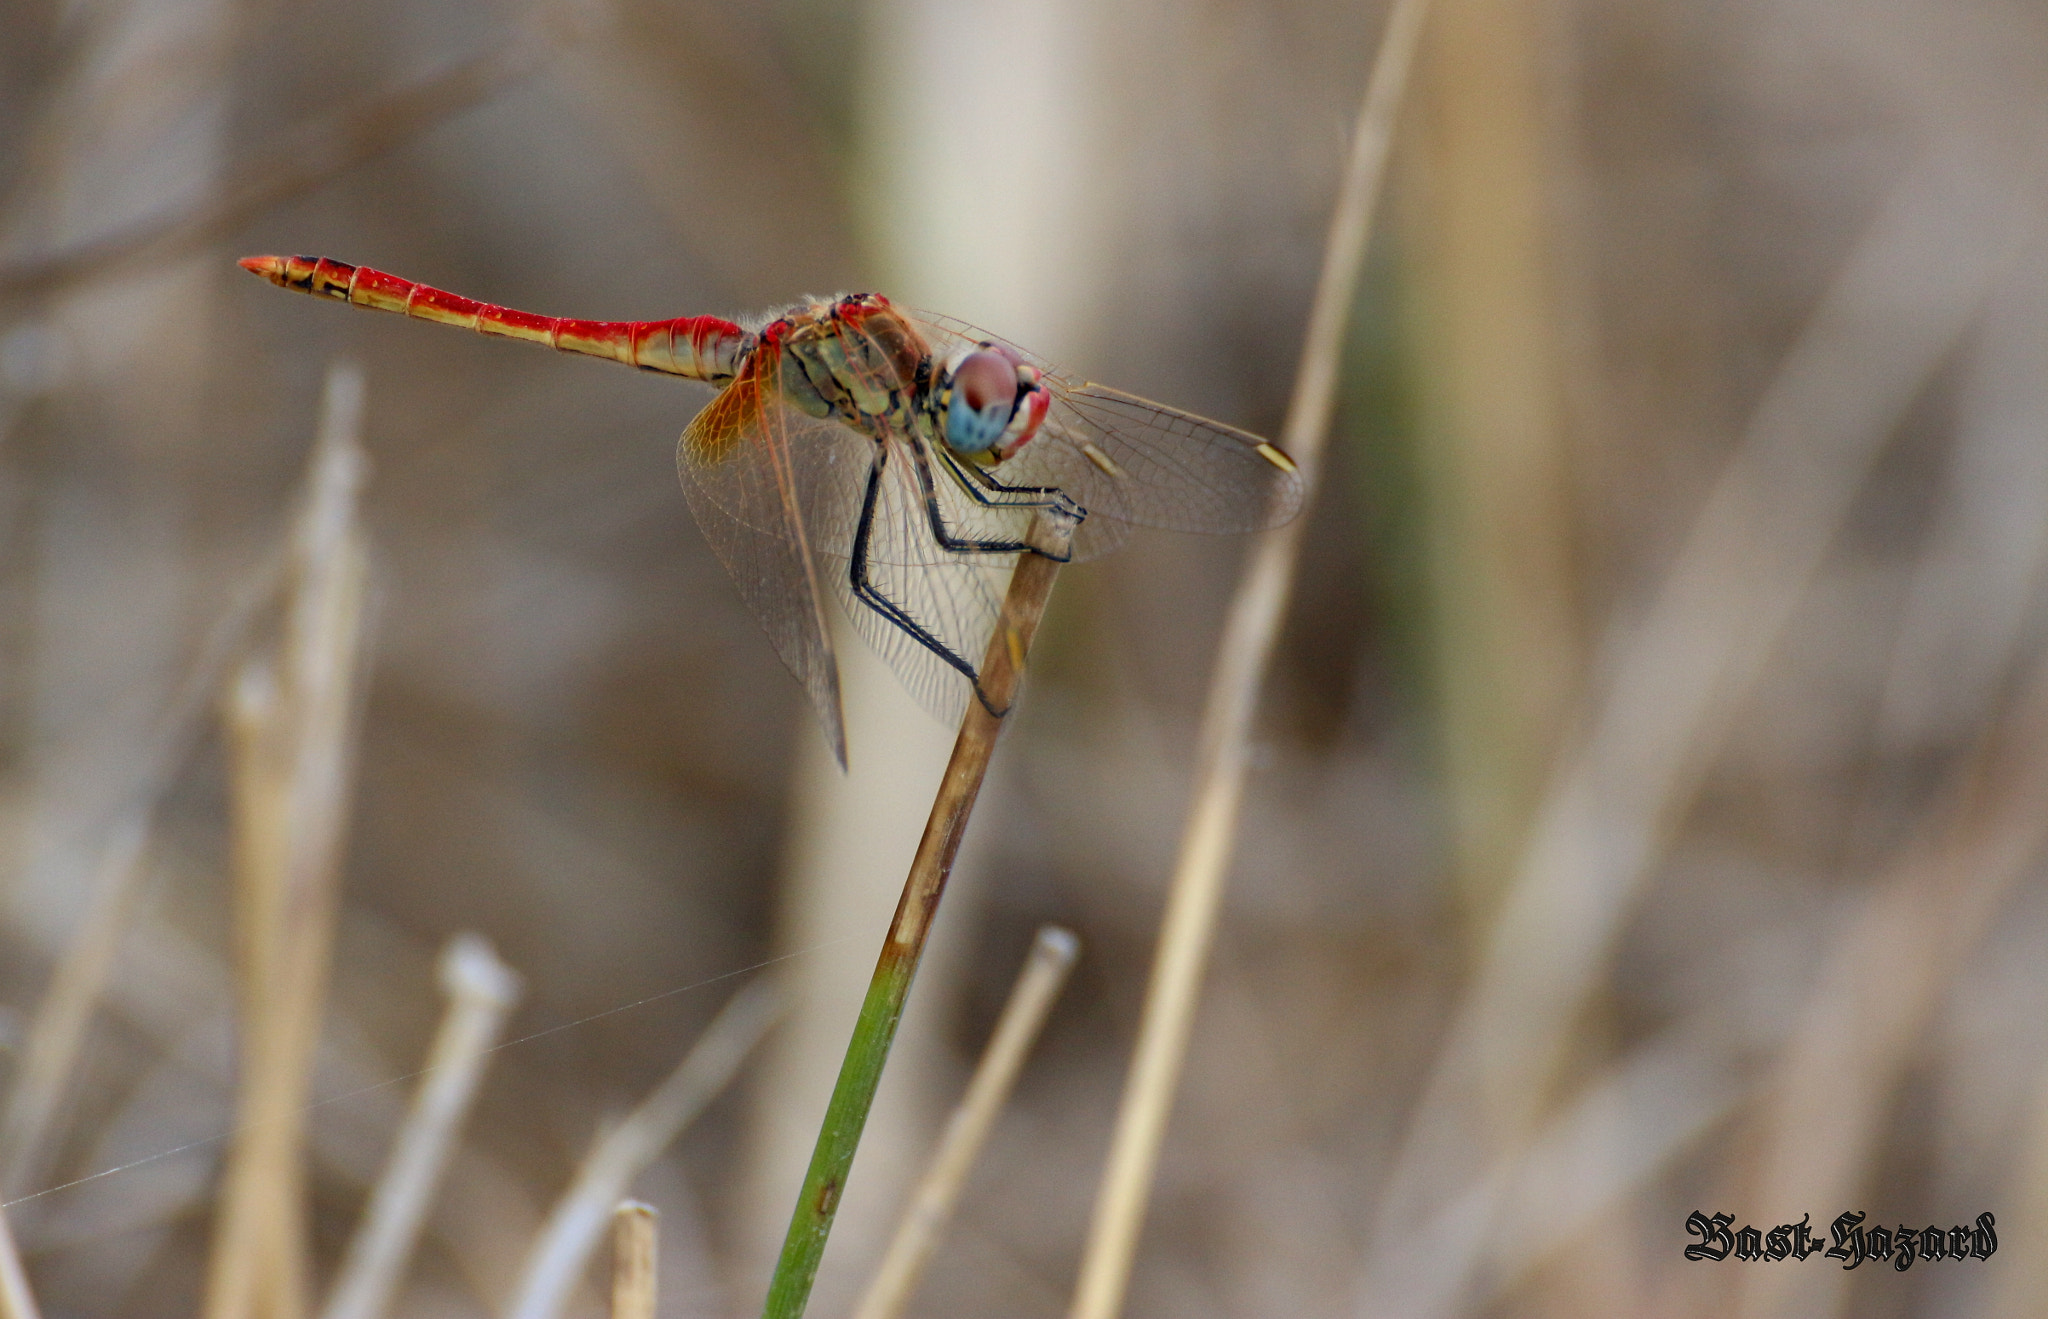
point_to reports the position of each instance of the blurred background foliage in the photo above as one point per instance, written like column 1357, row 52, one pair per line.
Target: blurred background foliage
column 1650, row 799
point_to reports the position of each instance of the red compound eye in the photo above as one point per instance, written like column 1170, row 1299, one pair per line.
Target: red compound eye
column 985, row 379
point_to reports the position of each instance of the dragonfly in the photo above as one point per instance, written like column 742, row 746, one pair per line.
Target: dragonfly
column 896, row 460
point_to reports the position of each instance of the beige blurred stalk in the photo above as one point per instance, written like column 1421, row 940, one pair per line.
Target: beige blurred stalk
column 562, row 1251
column 291, row 719
column 967, row 1131
column 1883, row 326
column 1880, row 988
column 1492, row 443
column 129, row 123
column 32, row 1127
column 2021, row 1291
column 1249, row 637
column 16, row 1300
column 155, row 79
column 693, row 123
column 480, row 990
column 297, row 162
column 1590, row 1158
column 636, row 1284
column 57, row 1034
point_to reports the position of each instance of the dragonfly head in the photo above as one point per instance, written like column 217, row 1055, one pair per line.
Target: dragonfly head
column 988, row 402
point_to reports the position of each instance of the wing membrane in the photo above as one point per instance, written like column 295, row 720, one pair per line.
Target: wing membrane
column 918, row 547
column 927, row 609
column 1132, row 462
column 926, row 605
column 746, row 484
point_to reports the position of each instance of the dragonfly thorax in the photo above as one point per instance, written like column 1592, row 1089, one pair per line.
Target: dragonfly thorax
column 853, row 359
column 857, row 360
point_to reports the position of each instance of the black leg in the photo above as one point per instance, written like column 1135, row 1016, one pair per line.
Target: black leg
column 978, row 483
column 1058, row 501
column 986, row 479
column 866, row 592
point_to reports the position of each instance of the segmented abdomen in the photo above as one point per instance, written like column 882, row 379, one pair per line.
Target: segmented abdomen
column 697, row 347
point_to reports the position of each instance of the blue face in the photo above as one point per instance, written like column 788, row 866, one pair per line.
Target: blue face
column 971, row 430
column 981, row 398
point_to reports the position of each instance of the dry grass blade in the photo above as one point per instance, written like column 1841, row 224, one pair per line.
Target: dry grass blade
column 1611, row 1140
column 58, row 1032
column 291, row 725
column 1495, row 361
column 1883, row 983
column 480, row 990
column 931, row 1205
column 1246, row 650
column 635, row 1260
column 564, row 1246
column 32, row 1123
column 16, row 1300
column 1974, row 584
column 303, row 160
column 691, row 121
column 1895, row 309
column 1756, row 544
column 2021, row 1291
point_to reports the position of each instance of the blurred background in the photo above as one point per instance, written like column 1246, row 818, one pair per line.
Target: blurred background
column 1651, row 786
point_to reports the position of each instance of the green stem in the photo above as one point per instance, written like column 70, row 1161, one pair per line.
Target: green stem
column 839, row 1136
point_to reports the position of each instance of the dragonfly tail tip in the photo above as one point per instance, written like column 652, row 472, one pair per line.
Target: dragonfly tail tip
column 270, row 267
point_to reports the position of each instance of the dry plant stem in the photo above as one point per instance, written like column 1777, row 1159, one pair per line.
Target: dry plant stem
column 16, row 1300
column 931, row 1205
column 33, row 1123
column 1577, row 1171
column 563, row 1249
column 1246, row 651
column 301, row 162
column 65, row 1011
column 2021, row 1288
column 290, row 727
column 1491, row 341
column 1882, row 984
column 635, row 1287
column 1884, row 326
column 480, row 990
column 881, row 1011
column 1889, row 318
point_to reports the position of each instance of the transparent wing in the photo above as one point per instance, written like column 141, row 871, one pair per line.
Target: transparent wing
column 792, row 504
column 918, row 547
column 927, row 606
column 747, row 482
column 916, row 552
column 1129, row 461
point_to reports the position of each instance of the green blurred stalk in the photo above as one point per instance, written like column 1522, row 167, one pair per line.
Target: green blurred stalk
column 1493, row 354
column 882, row 1011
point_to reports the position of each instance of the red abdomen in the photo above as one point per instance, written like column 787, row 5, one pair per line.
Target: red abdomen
column 696, row 347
